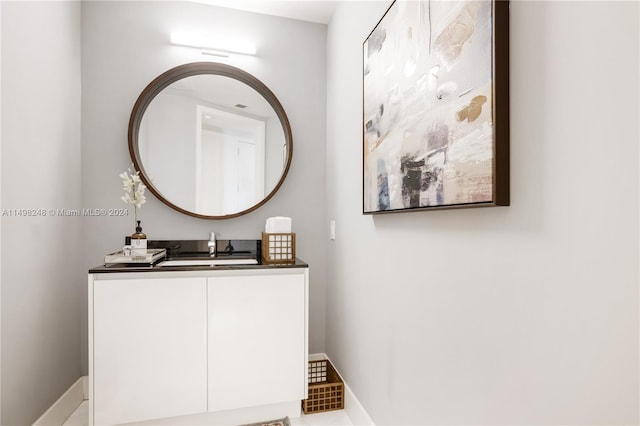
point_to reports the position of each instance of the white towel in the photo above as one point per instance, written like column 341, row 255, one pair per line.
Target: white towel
column 278, row 225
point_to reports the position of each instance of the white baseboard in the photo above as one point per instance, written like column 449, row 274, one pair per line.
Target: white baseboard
column 352, row 407
column 85, row 387
column 64, row 406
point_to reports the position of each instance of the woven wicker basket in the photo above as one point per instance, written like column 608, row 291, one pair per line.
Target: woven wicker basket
column 326, row 389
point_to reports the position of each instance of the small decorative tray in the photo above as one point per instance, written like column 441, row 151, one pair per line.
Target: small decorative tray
column 152, row 256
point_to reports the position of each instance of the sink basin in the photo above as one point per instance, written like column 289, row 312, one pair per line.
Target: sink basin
column 208, row 262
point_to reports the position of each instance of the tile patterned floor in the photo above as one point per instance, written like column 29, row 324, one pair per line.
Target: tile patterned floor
column 80, row 417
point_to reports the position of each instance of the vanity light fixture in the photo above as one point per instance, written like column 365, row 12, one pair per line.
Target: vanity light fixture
column 215, row 53
column 210, row 45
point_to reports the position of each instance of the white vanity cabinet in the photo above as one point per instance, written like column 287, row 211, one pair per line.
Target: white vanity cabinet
column 149, row 348
column 171, row 343
column 257, row 346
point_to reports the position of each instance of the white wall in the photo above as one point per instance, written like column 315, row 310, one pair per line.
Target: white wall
column 525, row 314
column 125, row 45
column 42, row 282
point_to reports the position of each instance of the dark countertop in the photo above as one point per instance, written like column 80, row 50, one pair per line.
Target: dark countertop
column 102, row 269
column 199, row 250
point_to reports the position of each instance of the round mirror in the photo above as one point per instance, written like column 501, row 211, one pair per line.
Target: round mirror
column 210, row 140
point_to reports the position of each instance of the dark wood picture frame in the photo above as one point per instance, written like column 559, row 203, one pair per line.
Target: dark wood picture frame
column 436, row 107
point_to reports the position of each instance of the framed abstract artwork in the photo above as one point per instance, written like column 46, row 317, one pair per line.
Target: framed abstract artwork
column 436, row 107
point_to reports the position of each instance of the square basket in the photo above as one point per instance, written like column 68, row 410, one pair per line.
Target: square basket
column 326, row 389
column 278, row 248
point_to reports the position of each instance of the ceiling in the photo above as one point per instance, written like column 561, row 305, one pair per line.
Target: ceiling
column 319, row 11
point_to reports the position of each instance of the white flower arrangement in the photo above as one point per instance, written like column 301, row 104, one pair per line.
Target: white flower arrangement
column 133, row 191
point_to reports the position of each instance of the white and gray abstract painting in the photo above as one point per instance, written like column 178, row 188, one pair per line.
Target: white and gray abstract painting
column 428, row 120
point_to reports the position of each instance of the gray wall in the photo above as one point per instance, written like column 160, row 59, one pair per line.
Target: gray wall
column 42, row 280
column 525, row 314
column 125, row 45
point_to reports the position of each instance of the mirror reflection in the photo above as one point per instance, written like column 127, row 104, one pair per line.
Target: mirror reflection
column 210, row 140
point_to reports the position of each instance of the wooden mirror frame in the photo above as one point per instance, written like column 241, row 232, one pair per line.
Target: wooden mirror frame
column 192, row 69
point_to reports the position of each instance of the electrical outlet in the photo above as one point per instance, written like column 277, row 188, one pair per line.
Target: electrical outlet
column 332, row 229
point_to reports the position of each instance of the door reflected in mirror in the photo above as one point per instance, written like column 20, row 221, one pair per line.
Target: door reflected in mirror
column 212, row 145
column 230, row 168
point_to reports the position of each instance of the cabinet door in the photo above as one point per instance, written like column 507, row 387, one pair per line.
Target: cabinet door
column 149, row 353
column 257, row 341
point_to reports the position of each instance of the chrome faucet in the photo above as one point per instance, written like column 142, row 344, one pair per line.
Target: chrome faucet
column 212, row 244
